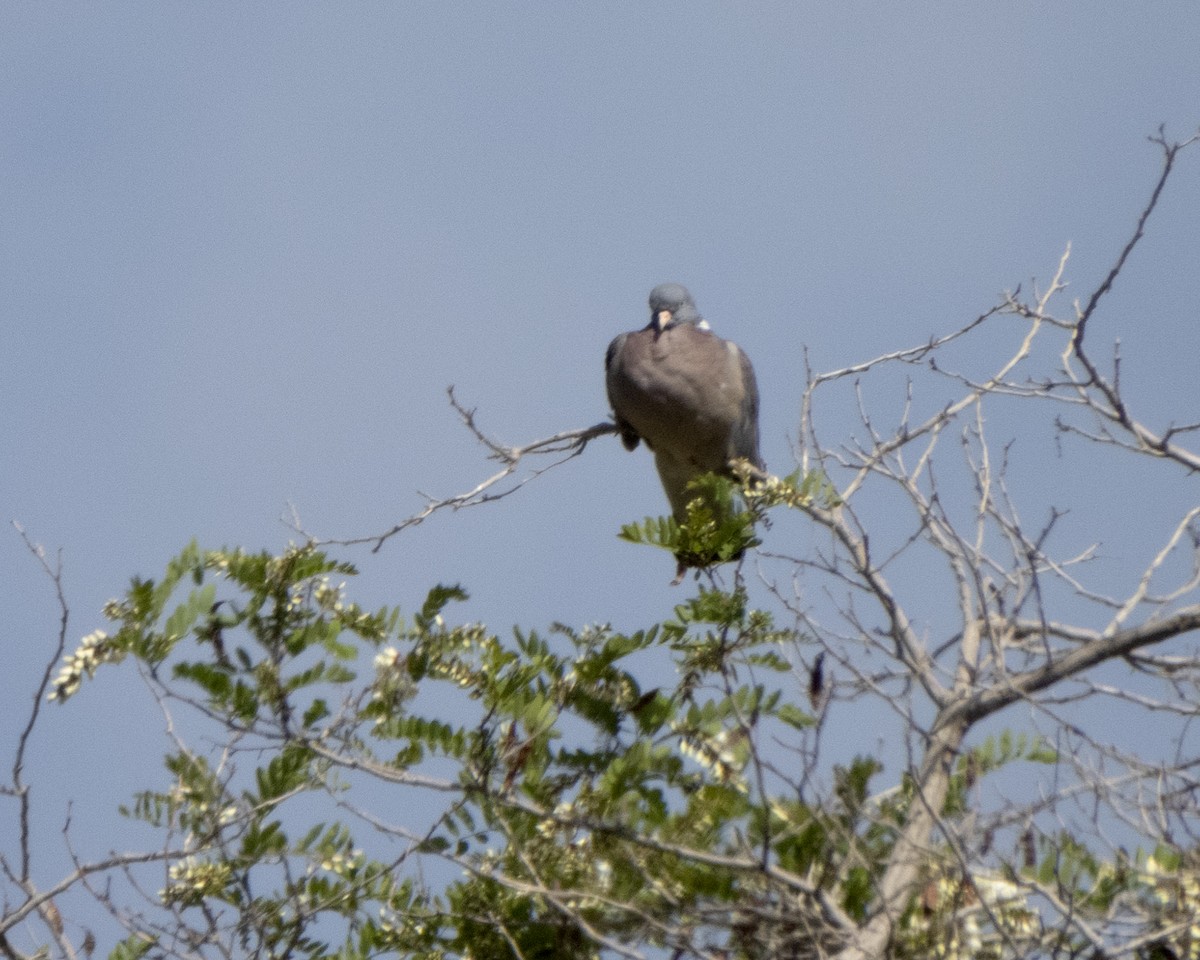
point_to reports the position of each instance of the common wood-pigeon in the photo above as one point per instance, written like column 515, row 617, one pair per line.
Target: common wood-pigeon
column 690, row 395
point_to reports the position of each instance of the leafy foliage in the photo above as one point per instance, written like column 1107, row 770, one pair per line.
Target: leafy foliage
column 584, row 806
column 352, row 784
column 581, row 807
column 715, row 530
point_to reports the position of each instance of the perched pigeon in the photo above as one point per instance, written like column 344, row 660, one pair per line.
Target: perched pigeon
column 690, row 395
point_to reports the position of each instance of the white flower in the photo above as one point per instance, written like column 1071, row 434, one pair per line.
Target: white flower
column 94, row 649
column 993, row 890
column 387, row 658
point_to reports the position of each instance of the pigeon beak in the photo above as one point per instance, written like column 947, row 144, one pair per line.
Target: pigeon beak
column 662, row 320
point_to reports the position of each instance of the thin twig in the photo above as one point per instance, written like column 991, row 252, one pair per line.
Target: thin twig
column 568, row 443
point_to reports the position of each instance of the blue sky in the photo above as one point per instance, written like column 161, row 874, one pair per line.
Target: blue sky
column 246, row 247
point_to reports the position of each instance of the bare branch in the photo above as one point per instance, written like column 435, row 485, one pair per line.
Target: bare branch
column 1170, row 152
column 19, row 788
column 1100, row 650
column 1099, row 394
column 566, row 444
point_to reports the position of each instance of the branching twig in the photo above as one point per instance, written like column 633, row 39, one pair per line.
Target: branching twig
column 1102, row 395
column 570, row 443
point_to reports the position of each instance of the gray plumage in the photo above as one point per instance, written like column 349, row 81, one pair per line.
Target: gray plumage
column 685, row 392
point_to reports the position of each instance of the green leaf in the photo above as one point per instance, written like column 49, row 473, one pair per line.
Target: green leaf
column 652, row 711
column 317, row 710
column 857, row 891
column 212, row 680
column 264, row 840
column 715, row 530
column 794, row 717
column 245, row 702
column 436, row 601
column 285, row 772
column 434, row 845
column 132, row 948
column 187, row 613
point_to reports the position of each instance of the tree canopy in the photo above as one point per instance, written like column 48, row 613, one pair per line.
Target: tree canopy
column 345, row 782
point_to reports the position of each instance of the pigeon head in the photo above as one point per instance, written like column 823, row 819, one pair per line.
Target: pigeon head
column 670, row 305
